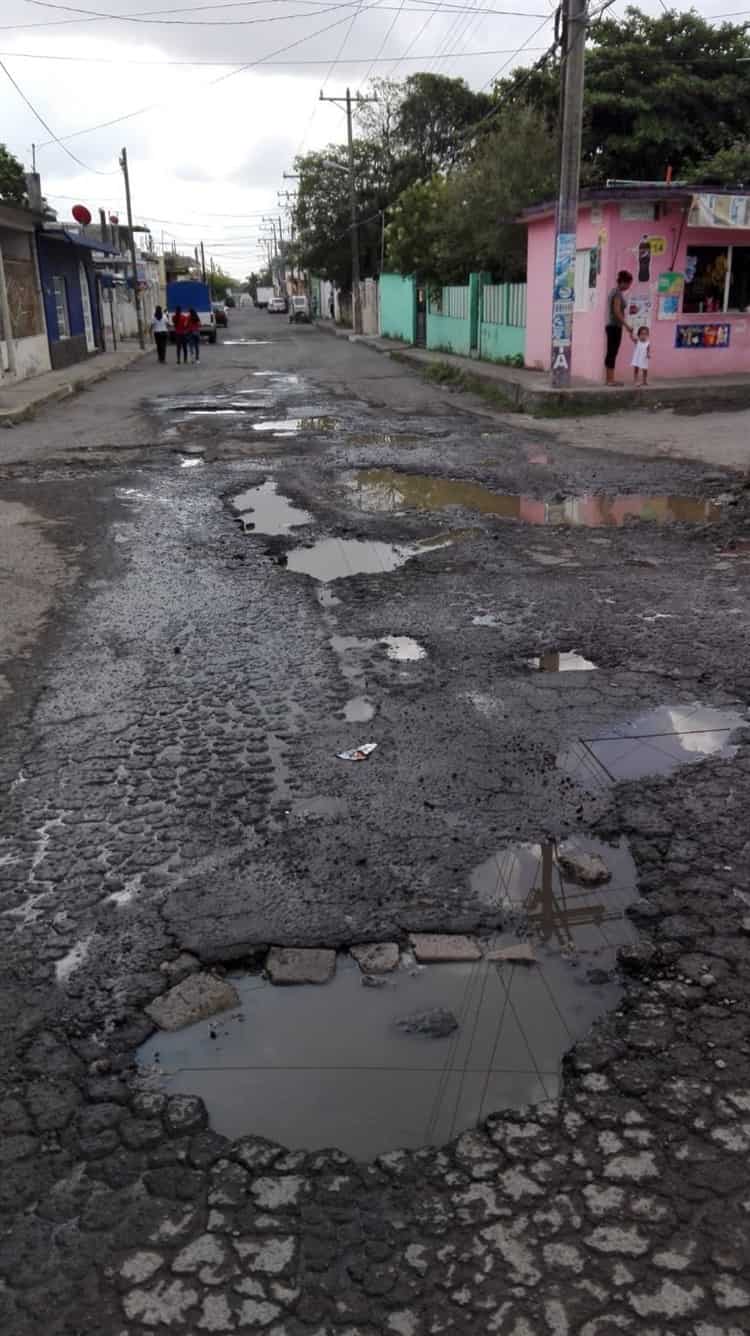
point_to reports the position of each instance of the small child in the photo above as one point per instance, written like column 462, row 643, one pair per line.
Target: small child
column 639, row 360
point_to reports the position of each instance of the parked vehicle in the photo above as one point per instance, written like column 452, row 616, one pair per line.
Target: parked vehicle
column 187, row 292
column 220, row 313
column 230, row 300
column 263, row 296
column 277, row 306
column 299, row 311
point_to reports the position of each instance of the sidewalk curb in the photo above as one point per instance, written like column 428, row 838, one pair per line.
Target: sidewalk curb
column 80, row 378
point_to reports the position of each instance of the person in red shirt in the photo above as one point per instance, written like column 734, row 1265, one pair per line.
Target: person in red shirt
column 180, row 327
column 194, row 334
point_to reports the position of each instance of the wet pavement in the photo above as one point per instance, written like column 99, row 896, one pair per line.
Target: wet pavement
column 227, row 585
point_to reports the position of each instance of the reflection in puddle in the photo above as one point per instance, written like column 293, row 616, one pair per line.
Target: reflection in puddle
column 327, row 1066
column 403, row 648
column 566, row 662
column 190, row 462
column 388, row 490
column 527, row 880
column 246, row 343
column 290, row 425
column 263, row 510
column 337, row 558
column 359, row 710
column 655, row 743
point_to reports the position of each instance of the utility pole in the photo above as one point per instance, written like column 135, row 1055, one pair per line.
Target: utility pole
column 354, row 225
column 133, row 260
column 563, row 290
column 203, row 264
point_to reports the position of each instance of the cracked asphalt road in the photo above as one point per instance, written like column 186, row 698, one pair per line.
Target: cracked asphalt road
column 172, row 700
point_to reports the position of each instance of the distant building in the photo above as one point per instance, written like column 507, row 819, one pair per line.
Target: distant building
column 24, row 350
column 71, row 293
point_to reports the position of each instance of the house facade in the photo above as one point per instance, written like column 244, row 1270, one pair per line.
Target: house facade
column 24, row 350
column 71, row 295
column 689, row 253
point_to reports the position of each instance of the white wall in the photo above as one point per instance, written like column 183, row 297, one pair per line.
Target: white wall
column 32, row 356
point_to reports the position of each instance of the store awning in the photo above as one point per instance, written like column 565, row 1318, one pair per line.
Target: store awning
column 75, row 239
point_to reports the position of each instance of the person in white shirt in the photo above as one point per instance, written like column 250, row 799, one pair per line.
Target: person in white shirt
column 639, row 360
column 160, row 331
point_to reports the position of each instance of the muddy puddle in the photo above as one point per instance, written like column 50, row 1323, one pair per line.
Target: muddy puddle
column 652, row 744
column 291, row 426
column 403, row 649
column 264, row 510
column 386, row 490
column 566, row 661
column 337, row 558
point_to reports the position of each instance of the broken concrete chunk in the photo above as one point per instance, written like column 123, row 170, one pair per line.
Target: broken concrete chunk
column 193, row 999
column 520, row 954
column 586, row 869
column 179, row 969
column 292, row 964
column 376, row 957
column 441, row 947
column 436, row 1024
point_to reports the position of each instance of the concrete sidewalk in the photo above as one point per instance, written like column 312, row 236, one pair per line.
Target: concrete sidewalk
column 528, row 391
column 20, row 400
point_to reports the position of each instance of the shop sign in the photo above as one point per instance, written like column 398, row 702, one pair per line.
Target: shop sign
column 720, row 211
column 702, row 336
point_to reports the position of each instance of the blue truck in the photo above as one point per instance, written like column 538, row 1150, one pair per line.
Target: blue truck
column 187, row 293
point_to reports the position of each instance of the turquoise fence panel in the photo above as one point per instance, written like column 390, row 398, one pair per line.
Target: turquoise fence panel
column 447, row 334
column 398, row 307
column 502, row 329
column 498, row 342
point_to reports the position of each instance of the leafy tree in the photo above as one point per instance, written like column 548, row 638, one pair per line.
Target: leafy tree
column 729, row 167
column 322, row 211
column 445, row 228
column 12, row 179
column 664, row 91
column 255, row 281
column 432, row 122
column 220, row 282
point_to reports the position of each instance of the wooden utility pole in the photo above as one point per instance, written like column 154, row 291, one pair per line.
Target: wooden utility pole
column 354, row 225
column 563, row 289
column 203, row 263
column 133, row 260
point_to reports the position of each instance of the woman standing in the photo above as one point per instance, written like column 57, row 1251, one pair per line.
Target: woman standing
column 180, row 326
column 160, row 331
column 617, row 321
column 194, row 334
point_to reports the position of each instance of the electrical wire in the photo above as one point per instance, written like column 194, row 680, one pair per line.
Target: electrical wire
column 48, row 128
column 216, row 64
column 234, row 23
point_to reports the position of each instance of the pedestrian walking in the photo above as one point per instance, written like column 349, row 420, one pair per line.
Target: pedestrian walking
column 616, row 322
column 641, row 353
column 194, row 334
column 160, row 331
column 332, row 308
column 180, row 326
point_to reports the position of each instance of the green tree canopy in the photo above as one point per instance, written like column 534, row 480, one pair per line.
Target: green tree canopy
column 445, row 227
column 322, row 211
column 12, row 178
column 665, row 91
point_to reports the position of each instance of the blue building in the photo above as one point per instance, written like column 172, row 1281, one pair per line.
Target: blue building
column 71, row 294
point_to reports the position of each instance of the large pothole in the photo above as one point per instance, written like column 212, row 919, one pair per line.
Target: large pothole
column 329, row 1065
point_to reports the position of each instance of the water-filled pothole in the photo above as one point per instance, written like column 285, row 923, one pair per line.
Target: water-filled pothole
column 655, row 743
column 264, row 510
column 337, row 558
column 403, row 648
column 291, row 426
column 316, row 1066
column 387, row 490
column 556, row 661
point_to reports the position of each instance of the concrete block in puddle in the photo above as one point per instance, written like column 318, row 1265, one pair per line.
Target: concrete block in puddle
column 292, row 964
column 442, row 947
column 195, row 998
column 518, row 954
column 376, row 957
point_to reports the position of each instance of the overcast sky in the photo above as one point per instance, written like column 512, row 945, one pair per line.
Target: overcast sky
column 207, row 157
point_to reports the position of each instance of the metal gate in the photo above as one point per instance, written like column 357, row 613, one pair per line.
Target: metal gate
column 420, row 337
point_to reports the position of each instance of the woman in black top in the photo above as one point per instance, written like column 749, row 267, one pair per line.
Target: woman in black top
column 616, row 322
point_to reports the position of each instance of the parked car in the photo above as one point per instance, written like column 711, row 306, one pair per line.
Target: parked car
column 230, row 300
column 277, row 306
column 185, row 293
column 299, row 311
column 220, row 312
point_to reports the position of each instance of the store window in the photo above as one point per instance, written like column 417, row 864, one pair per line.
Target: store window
column 717, row 278
column 61, row 308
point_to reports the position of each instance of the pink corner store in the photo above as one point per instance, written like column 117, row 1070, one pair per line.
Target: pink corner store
column 688, row 250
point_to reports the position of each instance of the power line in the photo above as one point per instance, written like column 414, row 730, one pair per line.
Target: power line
column 234, row 23
column 217, row 64
column 48, row 128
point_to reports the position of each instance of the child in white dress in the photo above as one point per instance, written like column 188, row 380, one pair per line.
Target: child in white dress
column 639, row 360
